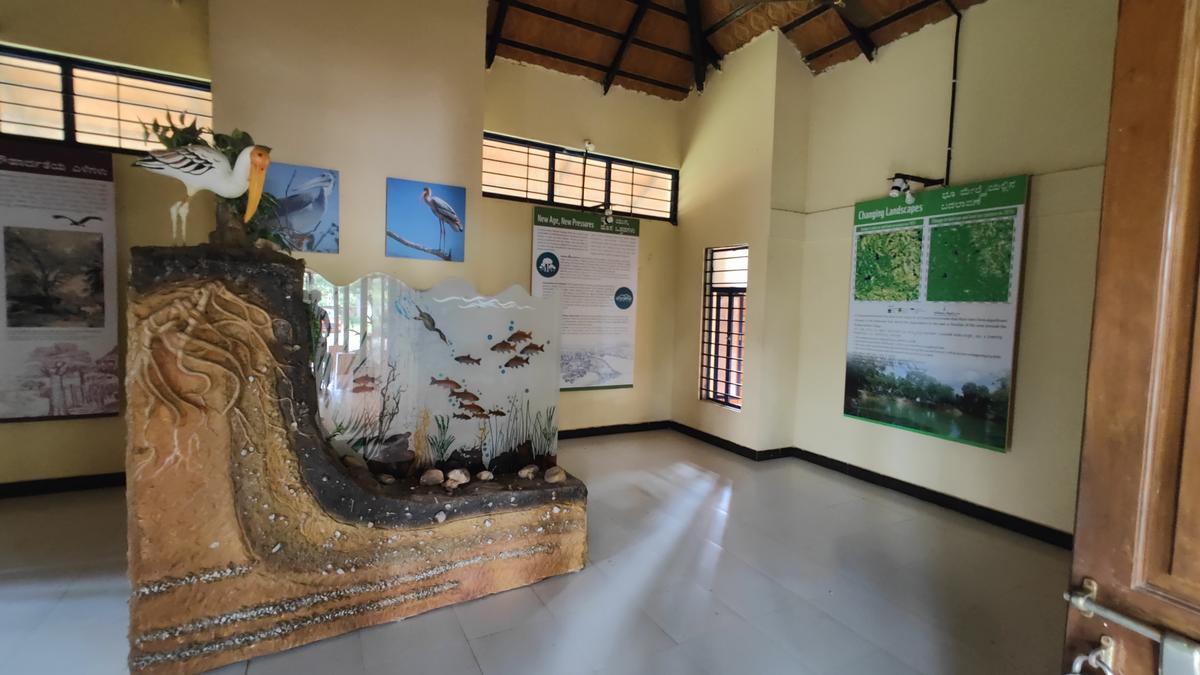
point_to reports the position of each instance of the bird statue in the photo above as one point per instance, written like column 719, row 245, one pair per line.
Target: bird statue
column 444, row 213
column 200, row 167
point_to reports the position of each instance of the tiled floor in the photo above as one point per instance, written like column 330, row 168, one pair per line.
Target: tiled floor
column 701, row 562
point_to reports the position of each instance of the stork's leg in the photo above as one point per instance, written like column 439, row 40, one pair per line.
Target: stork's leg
column 183, row 214
column 175, row 222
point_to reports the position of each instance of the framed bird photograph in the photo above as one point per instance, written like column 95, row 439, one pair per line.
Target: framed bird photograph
column 306, row 206
column 426, row 220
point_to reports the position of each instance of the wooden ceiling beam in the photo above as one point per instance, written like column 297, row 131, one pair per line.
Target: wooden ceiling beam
column 804, row 18
column 497, row 29
column 630, row 32
column 868, row 30
column 729, row 18
column 665, row 11
column 594, row 28
column 697, row 39
column 542, row 51
column 865, row 44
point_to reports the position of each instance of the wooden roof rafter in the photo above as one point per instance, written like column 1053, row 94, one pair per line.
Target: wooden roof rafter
column 664, row 47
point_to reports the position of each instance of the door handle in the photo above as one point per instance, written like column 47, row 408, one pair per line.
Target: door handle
column 1178, row 655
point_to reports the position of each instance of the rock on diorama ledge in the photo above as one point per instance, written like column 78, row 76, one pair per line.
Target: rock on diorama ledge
column 247, row 535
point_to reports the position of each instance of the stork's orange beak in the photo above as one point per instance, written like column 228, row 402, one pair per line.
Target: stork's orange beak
column 260, row 159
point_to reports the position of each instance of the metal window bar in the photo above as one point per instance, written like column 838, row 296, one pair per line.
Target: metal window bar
column 67, row 70
column 569, row 180
column 723, row 331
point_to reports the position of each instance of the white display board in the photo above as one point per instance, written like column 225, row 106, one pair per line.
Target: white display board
column 934, row 297
column 58, row 330
column 591, row 261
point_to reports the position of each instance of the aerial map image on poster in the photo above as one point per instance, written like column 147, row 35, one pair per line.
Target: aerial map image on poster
column 933, row 313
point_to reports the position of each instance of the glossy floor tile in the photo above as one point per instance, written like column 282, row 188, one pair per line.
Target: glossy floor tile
column 700, row 562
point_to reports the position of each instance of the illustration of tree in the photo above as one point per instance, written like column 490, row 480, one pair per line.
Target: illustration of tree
column 39, row 273
column 48, row 370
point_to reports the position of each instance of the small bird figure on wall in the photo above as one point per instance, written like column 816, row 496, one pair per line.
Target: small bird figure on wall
column 444, row 213
column 77, row 223
column 200, row 167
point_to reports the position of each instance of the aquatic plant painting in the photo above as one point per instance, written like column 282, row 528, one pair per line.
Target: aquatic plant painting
column 426, row 220
column 442, row 378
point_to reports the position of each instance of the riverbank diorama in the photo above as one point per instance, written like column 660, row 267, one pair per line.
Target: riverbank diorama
column 275, row 499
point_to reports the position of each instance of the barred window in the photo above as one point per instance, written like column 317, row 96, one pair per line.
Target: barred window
column 722, row 348
column 515, row 168
column 86, row 102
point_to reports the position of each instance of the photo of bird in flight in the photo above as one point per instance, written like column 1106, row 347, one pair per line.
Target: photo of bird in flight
column 77, row 223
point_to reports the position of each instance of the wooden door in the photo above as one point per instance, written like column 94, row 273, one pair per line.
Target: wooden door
column 1138, row 521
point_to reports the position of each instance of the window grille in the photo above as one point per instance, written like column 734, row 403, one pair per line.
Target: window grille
column 515, row 168
column 722, row 348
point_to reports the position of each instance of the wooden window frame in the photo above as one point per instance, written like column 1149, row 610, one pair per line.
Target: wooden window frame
column 556, row 151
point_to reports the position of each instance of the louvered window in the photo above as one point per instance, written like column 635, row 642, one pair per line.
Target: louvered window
column 515, row 168
column 92, row 103
column 722, row 348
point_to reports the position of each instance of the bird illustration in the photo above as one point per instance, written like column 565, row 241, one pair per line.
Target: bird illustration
column 301, row 211
column 444, row 213
column 430, row 325
column 77, row 223
column 200, row 167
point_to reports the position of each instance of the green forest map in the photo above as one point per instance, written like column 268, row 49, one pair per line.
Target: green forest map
column 971, row 262
column 888, row 265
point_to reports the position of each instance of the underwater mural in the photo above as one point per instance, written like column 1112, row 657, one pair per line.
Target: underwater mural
column 442, row 378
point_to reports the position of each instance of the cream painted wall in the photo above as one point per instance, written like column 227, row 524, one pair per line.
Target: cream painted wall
column 1037, row 104
column 146, row 33
column 544, row 105
column 724, row 199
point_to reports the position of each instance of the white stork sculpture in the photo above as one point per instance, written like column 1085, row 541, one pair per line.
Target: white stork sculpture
column 200, row 167
column 444, row 213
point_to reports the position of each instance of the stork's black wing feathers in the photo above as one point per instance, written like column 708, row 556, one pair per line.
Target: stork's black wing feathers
column 193, row 160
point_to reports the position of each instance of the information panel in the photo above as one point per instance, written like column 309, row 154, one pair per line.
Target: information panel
column 58, row 330
column 591, row 261
column 933, row 311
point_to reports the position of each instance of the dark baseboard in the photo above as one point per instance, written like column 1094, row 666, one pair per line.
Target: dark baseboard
column 613, row 429
column 1010, row 522
column 29, row 488
column 1007, row 521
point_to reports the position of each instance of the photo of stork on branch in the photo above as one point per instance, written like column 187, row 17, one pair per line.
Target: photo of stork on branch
column 426, row 220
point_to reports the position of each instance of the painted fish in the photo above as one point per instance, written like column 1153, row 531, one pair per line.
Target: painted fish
column 503, row 346
column 532, row 349
column 464, row 395
column 496, row 412
column 467, row 359
column 365, row 379
column 460, row 416
column 481, row 415
column 520, row 336
column 447, row 383
column 362, row 389
column 472, row 408
column 516, row 362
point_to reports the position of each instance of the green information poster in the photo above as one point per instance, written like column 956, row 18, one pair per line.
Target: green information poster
column 933, row 310
column 591, row 262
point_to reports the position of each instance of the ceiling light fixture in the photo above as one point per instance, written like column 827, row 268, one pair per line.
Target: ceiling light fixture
column 902, row 185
